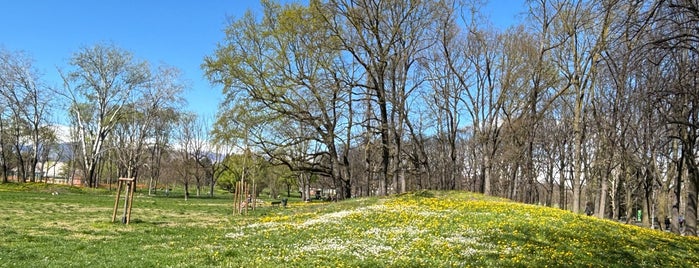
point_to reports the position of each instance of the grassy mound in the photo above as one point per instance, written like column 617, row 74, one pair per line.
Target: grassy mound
column 40, row 187
column 441, row 229
column 453, row 229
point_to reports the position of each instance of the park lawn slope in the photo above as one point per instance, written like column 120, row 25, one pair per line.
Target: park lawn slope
column 441, row 229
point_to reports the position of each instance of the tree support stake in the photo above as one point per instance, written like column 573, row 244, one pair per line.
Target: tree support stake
column 128, row 199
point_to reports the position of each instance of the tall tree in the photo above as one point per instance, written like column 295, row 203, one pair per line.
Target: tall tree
column 672, row 26
column 219, row 151
column 384, row 39
column 28, row 101
column 579, row 30
column 100, row 83
column 188, row 147
column 148, row 107
column 543, row 88
column 163, row 132
column 612, row 104
column 291, row 72
column 449, row 73
column 5, row 144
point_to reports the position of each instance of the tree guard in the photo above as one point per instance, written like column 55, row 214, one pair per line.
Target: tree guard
column 244, row 198
column 128, row 199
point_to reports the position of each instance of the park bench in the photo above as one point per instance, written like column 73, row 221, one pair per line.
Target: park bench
column 278, row 202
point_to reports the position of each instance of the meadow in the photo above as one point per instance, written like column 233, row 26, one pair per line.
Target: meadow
column 52, row 226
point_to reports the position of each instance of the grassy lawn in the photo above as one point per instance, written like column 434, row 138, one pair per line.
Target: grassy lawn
column 423, row 229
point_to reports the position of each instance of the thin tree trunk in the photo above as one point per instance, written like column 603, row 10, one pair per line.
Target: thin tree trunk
column 690, row 225
column 678, row 192
column 601, row 207
column 186, row 191
column 562, row 202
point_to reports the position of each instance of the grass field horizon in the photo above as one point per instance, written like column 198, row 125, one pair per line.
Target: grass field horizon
column 39, row 228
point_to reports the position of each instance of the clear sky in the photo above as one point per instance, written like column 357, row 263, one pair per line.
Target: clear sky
column 175, row 32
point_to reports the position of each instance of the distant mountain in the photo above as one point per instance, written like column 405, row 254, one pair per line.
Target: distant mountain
column 63, row 152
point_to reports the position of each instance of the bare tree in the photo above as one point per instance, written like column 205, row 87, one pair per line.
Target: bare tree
column 163, row 126
column 5, row 144
column 384, row 39
column 100, row 84
column 542, row 90
column 449, row 73
column 134, row 131
column 28, row 101
column 672, row 47
column 187, row 149
column 578, row 33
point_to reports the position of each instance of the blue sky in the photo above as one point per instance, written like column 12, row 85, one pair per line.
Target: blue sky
column 176, row 32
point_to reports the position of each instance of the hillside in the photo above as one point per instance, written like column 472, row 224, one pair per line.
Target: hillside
column 435, row 229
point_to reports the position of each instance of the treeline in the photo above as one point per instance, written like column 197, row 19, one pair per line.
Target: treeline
column 121, row 118
column 582, row 105
column 112, row 116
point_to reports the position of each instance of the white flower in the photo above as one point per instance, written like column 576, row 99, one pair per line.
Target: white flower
column 234, row 235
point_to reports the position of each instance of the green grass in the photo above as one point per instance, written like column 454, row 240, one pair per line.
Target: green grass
column 424, row 229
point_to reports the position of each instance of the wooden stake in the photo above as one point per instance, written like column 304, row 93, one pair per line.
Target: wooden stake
column 128, row 199
column 116, row 201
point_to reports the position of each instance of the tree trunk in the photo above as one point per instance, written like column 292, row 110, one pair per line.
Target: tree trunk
column 305, row 188
column 186, row 191
column 212, row 188
column 150, row 186
column 514, row 182
column 487, row 177
column 91, row 180
column 21, row 170
column 690, row 219
column 562, row 202
column 645, row 217
column 678, row 193
column 403, row 182
column 614, row 200
column 385, row 137
column 551, row 182
column 577, row 155
column 341, row 176
column 601, row 207
column 630, row 212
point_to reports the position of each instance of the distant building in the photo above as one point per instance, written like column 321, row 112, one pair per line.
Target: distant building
column 53, row 172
